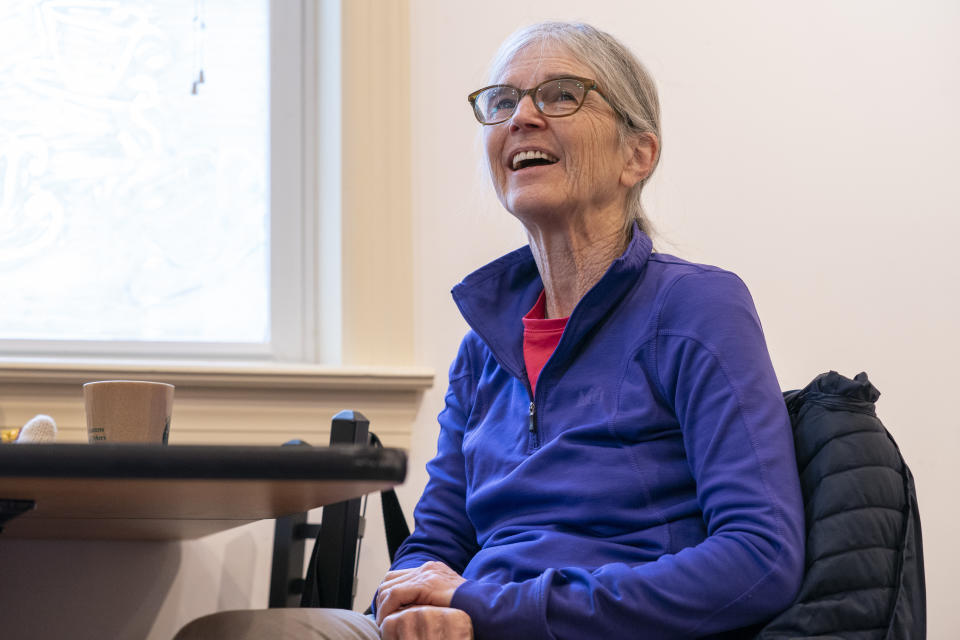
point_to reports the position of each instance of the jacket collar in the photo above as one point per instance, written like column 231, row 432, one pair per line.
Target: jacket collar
column 494, row 298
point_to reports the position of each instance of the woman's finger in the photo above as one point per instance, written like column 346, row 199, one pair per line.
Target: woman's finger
column 427, row 623
column 394, row 598
column 397, row 573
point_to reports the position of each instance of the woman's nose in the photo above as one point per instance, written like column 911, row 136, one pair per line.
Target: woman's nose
column 527, row 115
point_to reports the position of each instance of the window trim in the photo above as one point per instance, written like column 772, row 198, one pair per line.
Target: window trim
column 376, row 212
column 292, row 103
column 47, row 372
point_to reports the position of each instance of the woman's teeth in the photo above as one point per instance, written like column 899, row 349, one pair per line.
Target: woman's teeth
column 527, row 158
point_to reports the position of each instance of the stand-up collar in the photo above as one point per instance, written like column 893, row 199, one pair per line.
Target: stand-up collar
column 494, row 298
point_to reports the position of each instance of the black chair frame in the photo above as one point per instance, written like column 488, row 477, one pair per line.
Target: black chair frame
column 330, row 580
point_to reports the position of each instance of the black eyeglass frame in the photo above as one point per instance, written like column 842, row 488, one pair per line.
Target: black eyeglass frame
column 590, row 85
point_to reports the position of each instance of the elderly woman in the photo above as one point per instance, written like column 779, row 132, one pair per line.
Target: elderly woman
column 615, row 459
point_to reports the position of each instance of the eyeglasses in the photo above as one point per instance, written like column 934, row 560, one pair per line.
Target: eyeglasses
column 555, row 98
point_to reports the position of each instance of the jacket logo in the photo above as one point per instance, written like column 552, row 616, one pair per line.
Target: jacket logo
column 589, row 397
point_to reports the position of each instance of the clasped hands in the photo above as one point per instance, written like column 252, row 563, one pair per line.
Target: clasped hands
column 415, row 604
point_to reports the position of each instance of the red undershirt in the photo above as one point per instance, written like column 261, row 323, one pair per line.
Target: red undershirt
column 541, row 336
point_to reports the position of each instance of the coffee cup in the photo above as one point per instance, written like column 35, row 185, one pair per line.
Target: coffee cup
column 128, row 411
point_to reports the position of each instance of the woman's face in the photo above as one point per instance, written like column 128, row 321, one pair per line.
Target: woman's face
column 588, row 179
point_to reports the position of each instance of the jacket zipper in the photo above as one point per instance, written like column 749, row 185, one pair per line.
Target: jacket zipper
column 532, row 427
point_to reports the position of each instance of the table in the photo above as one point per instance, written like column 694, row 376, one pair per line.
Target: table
column 177, row 492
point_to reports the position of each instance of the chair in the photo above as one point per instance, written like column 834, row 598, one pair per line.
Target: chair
column 864, row 575
column 331, row 573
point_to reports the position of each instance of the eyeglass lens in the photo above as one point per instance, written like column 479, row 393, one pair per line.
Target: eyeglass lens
column 553, row 98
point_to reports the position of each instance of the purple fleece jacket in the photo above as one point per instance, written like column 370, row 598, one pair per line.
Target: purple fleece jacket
column 649, row 488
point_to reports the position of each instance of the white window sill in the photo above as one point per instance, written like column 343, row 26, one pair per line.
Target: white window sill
column 206, row 374
column 224, row 403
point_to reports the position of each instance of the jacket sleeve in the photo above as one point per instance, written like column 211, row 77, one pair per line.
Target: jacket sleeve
column 442, row 530
column 711, row 364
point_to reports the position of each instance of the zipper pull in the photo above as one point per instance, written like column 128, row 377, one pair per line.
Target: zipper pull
column 533, row 415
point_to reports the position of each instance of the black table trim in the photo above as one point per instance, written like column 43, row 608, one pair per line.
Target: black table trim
column 121, row 460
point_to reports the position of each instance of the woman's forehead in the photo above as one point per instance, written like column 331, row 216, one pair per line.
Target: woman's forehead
column 538, row 62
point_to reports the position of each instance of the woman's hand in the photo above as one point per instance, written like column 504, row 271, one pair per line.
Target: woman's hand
column 426, row 622
column 432, row 583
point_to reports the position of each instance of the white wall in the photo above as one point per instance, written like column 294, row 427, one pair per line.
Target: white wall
column 810, row 147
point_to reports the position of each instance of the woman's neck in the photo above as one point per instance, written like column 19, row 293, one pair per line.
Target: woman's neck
column 572, row 259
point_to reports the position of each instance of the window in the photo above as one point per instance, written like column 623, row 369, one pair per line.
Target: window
column 330, row 149
column 154, row 158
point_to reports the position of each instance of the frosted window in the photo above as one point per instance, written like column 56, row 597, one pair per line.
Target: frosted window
column 130, row 208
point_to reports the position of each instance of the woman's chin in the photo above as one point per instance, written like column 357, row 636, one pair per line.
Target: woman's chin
column 535, row 205
column 539, row 213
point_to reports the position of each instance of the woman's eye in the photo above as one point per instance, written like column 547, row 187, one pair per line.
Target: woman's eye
column 565, row 96
column 504, row 104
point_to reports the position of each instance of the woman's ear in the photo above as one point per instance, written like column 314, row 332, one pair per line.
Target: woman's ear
column 642, row 152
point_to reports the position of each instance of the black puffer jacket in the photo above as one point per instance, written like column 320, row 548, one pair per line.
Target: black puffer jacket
column 864, row 575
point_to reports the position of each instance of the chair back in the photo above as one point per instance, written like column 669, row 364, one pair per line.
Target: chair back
column 864, row 575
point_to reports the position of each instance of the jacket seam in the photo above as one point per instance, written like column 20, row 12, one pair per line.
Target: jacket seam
column 753, row 444
column 631, row 454
column 474, row 381
column 906, row 531
column 838, row 436
column 542, row 606
column 834, row 554
column 778, row 516
column 846, row 592
column 466, row 417
column 657, row 331
column 864, row 507
column 857, row 467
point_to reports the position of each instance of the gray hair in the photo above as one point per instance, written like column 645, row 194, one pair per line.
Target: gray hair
column 622, row 78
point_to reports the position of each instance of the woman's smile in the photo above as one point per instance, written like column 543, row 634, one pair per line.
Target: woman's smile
column 532, row 158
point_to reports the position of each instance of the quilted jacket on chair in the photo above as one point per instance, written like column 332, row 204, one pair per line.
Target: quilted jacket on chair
column 864, row 576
